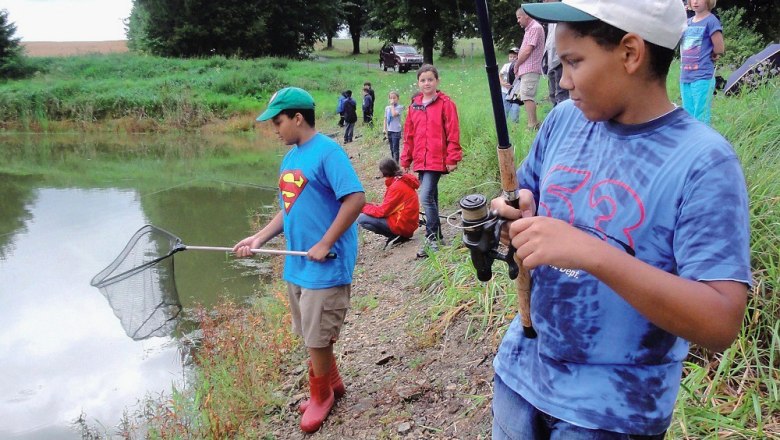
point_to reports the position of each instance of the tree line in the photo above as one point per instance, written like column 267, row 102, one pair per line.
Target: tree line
column 255, row 28
column 252, row 28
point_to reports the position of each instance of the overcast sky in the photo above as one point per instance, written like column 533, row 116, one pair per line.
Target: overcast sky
column 68, row 20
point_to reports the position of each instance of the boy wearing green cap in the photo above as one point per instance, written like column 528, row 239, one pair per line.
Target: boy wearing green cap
column 320, row 197
column 640, row 239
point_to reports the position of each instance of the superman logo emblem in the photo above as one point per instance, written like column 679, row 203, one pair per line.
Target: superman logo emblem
column 291, row 184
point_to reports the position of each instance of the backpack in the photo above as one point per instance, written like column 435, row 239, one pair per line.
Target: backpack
column 510, row 76
column 350, row 111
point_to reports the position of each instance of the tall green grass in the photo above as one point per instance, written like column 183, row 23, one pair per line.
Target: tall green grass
column 180, row 93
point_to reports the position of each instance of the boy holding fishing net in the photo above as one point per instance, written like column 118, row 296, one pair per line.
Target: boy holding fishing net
column 320, row 197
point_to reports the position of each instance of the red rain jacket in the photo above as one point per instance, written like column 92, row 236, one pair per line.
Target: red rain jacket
column 400, row 207
column 431, row 135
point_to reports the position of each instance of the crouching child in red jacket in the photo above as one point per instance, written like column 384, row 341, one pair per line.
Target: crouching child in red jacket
column 398, row 216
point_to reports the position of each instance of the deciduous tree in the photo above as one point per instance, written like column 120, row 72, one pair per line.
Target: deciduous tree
column 244, row 28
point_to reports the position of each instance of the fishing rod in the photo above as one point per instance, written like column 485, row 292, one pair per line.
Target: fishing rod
column 482, row 228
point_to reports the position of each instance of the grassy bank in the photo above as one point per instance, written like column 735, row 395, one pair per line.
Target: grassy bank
column 141, row 160
column 729, row 395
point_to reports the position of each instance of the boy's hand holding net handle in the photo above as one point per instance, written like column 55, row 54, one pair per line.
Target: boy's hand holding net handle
column 506, row 163
column 330, row 255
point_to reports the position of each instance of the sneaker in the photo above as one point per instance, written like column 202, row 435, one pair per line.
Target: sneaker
column 395, row 241
column 431, row 243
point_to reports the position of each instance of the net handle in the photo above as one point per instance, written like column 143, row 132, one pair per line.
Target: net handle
column 330, row 256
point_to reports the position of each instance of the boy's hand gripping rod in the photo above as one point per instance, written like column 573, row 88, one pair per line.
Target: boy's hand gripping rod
column 506, row 162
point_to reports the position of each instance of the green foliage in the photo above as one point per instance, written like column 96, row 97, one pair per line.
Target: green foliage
column 12, row 63
column 764, row 15
column 185, row 93
column 238, row 360
column 740, row 38
column 241, row 28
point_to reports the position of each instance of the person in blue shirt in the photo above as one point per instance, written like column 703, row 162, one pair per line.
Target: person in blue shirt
column 701, row 46
column 320, row 197
column 634, row 221
column 340, row 107
column 392, row 125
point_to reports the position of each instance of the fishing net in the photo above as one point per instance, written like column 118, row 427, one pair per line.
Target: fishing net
column 140, row 286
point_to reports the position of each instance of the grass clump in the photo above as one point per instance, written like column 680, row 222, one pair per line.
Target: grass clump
column 237, row 376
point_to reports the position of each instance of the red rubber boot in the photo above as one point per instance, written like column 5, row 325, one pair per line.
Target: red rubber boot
column 335, row 383
column 320, row 403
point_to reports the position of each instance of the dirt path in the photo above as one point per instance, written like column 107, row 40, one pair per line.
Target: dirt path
column 396, row 386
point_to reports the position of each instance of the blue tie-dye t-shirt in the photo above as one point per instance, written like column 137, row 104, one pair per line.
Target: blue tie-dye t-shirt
column 313, row 179
column 672, row 193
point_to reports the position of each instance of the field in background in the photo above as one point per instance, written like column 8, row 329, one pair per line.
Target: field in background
column 68, row 48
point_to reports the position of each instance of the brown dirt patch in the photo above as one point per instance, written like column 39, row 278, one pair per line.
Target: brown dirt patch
column 400, row 382
column 69, row 48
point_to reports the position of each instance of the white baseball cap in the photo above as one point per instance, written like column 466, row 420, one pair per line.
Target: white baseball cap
column 660, row 22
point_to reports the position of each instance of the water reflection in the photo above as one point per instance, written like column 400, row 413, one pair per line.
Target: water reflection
column 63, row 350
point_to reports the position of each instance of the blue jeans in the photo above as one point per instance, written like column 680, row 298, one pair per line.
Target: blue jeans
column 429, row 198
column 394, row 138
column 375, row 225
column 697, row 98
column 516, row 419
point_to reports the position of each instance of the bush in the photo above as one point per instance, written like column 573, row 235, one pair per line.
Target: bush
column 741, row 39
column 17, row 67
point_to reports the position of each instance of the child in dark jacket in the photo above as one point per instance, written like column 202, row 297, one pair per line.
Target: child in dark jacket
column 350, row 116
column 398, row 216
column 368, row 106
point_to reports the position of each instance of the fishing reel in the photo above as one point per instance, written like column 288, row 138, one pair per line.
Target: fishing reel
column 482, row 235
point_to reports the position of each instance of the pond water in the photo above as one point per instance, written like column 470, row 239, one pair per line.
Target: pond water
column 64, row 351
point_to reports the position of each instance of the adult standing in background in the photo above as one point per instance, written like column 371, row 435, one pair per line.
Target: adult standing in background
column 554, row 67
column 528, row 67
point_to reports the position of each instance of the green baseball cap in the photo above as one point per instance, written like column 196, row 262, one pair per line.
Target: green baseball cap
column 287, row 98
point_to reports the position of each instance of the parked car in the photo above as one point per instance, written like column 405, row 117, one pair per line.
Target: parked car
column 401, row 57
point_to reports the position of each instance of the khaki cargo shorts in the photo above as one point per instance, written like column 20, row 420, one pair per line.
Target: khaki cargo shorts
column 529, row 84
column 318, row 314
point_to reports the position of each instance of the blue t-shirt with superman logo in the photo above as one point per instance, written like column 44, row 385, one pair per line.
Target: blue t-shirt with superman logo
column 313, row 178
column 670, row 192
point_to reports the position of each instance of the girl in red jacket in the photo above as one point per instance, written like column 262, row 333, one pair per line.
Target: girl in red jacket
column 432, row 147
column 398, row 216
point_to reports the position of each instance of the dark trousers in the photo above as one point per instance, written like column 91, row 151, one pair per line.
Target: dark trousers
column 557, row 94
column 349, row 130
column 394, row 138
column 375, row 225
